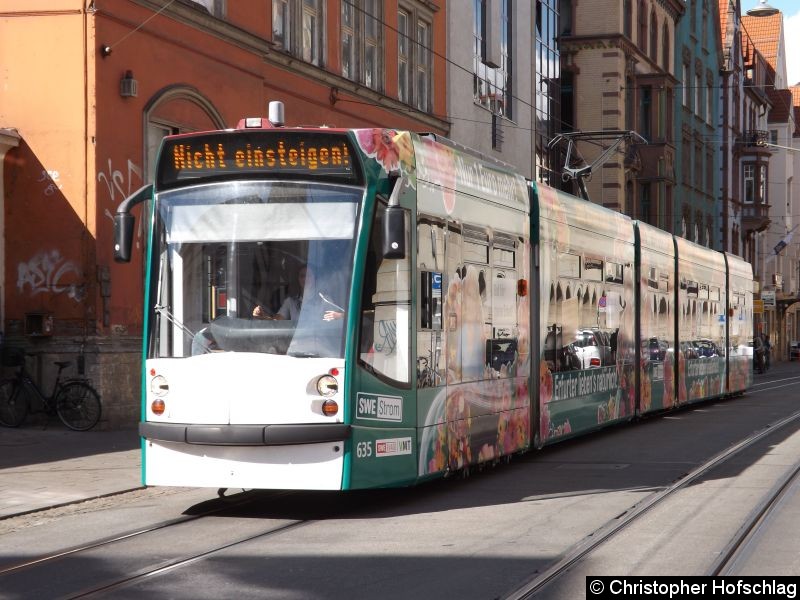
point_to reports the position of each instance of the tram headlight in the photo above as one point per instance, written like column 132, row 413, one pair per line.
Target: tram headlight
column 159, row 385
column 327, row 385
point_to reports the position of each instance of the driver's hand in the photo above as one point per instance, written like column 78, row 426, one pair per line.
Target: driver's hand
column 259, row 312
column 331, row 315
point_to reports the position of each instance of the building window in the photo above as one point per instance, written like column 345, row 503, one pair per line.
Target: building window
column 642, row 27
column 567, row 101
column 628, row 208
column 698, row 95
column 423, row 66
column 647, row 208
column 698, row 166
column 698, row 227
column 546, row 91
column 653, row 37
column 705, row 24
column 669, row 109
column 298, row 28
column 709, row 174
column 155, row 133
column 686, row 161
column 492, row 77
column 685, row 83
column 762, row 184
column 773, row 136
column 710, row 104
column 215, row 7
column 627, row 16
column 630, row 106
column 686, row 221
column 646, row 112
column 403, row 57
column 749, row 183
column 362, row 47
column 665, row 49
column 415, row 68
column 666, row 218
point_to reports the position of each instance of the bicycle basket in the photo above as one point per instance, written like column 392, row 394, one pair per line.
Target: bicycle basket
column 12, row 357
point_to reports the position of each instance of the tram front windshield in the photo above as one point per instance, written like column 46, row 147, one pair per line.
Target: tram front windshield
column 253, row 267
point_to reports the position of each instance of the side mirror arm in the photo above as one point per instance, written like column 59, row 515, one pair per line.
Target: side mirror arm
column 124, row 222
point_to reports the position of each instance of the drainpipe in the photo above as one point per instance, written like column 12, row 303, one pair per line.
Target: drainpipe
column 88, row 12
column 9, row 138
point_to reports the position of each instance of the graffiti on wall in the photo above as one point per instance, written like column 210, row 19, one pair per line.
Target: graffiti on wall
column 48, row 271
column 121, row 184
column 49, row 179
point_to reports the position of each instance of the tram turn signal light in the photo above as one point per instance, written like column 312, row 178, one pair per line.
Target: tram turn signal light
column 158, row 406
column 330, row 408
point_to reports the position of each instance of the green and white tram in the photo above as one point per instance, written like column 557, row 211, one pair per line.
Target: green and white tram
column 344, row 309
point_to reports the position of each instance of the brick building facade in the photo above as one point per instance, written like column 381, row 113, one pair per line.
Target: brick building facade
column 91, row 86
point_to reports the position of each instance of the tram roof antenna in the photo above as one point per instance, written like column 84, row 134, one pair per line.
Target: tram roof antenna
column 581, row 174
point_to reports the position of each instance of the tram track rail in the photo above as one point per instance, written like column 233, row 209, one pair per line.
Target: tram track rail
column 109, row 584
column 168, row 566
column 230, row 503
column 585, row 548
column 759, row 518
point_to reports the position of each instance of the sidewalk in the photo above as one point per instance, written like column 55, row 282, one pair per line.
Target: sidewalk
column 43, row 468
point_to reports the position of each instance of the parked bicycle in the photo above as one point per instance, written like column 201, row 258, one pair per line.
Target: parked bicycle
column 74, row 400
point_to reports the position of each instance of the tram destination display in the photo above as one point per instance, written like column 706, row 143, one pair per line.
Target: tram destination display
column 261, row 153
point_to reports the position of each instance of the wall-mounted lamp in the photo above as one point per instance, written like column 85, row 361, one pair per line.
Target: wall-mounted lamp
column 128, row 86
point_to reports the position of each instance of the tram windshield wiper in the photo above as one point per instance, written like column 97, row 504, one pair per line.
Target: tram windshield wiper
column 163, row 310
column 303, row 354
column 331, row 302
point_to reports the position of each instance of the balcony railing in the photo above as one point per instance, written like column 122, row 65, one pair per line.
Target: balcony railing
column 755, row 137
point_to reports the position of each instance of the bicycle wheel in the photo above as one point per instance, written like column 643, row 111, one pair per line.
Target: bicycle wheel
column 13, row 403
column 78, row 405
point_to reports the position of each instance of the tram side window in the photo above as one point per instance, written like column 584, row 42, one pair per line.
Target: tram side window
column 475, row 277
column 430, row 282
column 501, row 349
column 385, row 306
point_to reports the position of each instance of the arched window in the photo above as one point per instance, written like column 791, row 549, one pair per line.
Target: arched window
column 197, row 113
column 653, row 37
column 665, row 50
column 627, row 19
column 642, row 26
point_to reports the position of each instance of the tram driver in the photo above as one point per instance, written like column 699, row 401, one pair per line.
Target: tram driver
column 291, row 307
